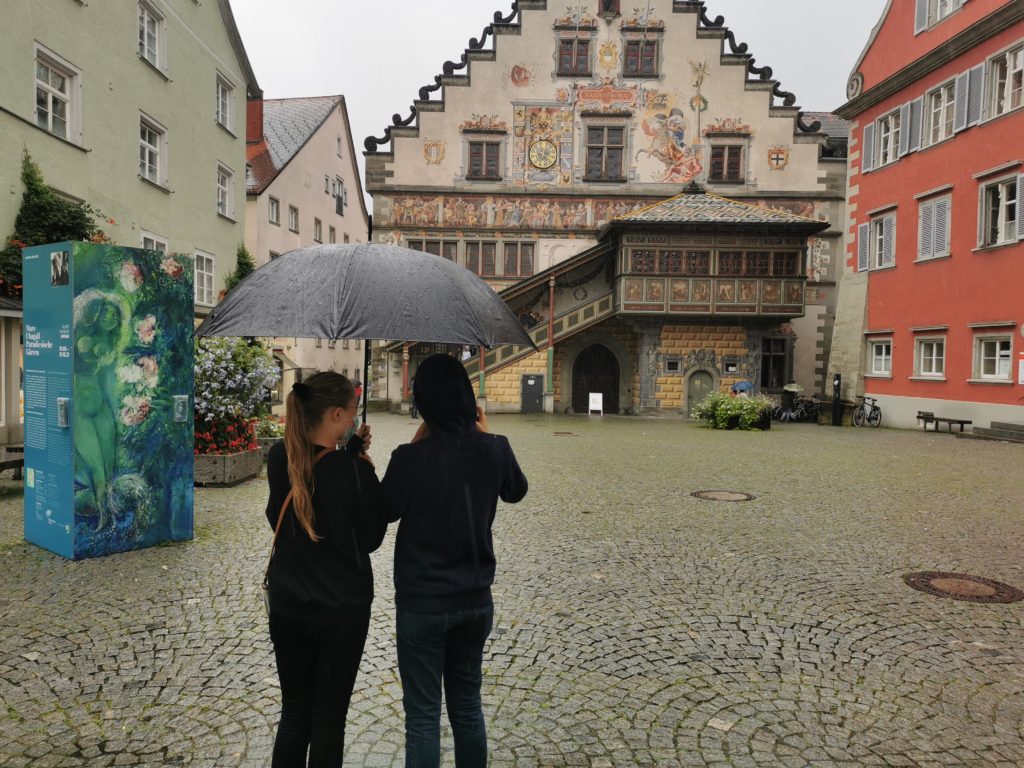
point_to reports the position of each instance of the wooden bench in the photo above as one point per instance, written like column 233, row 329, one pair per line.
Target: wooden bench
column 927, row 417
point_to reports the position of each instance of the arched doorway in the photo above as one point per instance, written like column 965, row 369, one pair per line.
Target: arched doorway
column 595, row 370
column 700, row 385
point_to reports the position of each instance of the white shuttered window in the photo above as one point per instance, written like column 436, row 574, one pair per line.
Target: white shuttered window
column 933, row 228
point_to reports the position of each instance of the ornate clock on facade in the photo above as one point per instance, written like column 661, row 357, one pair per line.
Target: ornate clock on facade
column 543, row 154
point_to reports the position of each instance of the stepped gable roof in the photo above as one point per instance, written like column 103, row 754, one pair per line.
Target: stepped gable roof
column 287, row 125
column 702, row 209
column 831, row 124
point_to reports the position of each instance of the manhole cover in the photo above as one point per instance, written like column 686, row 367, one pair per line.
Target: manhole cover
column 723, row 495
column 962, row 586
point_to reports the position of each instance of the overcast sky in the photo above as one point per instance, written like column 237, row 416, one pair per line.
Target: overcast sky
column 378, row 54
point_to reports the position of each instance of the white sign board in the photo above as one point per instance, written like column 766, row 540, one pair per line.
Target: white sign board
column 597, row 402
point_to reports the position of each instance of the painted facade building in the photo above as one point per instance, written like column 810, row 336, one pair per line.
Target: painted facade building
column 931, row 312
column 517, row 156
column 303, row 188
column 137, row 108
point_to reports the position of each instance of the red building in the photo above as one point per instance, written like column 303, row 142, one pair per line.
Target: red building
column 932, row 302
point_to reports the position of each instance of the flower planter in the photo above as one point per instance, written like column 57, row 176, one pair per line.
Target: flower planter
column 226, row 469
column 765, row 421
column 265, row 443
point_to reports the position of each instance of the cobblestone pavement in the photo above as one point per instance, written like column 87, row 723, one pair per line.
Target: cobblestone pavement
column 636, row 625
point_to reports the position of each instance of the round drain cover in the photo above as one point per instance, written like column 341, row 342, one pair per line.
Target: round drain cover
column 962, row 586
column 722, row 495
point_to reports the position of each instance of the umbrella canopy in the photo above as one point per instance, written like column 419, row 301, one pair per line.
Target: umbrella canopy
column 366, row 291
column 792, row 387
column 743, row 386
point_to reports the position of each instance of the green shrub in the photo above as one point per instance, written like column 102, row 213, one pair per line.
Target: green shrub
column 244, row 267
column 718, row 408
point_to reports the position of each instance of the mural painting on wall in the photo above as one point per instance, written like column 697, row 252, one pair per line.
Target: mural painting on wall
column 641, row 18
column 484, row 123
column 778, row 157
column 542, row 152
column 608, row 96
column 576, row 16
column 634, row 290
column 806, row 208
column 519, row 76
column 681, row 290
column 133, row 316
column 656, row 291
column 729, row 125
column 818, row 259
column 433, row 152
column 506, row 211
column 699, row 104
column 664, row 126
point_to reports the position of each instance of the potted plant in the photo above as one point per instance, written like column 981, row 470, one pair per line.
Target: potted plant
column 233, row 378
column 721, row 411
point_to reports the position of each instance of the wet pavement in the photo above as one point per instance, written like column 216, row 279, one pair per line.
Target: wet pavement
column 636, row 624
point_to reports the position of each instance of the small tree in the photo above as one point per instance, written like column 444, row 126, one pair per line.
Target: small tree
column 44, row 217
column 244, row 267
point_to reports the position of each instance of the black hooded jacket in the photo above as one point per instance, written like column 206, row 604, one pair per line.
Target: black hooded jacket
column 317, row 580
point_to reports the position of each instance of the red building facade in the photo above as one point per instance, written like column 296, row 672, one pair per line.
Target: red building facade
column 935, row 255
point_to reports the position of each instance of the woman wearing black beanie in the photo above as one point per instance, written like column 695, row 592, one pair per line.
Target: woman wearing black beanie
column 444, row 487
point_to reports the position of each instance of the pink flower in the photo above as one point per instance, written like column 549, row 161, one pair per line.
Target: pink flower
column 131, row 276
column 145, row 329
column 150, row 369
column 135, row 410
column 171, row 266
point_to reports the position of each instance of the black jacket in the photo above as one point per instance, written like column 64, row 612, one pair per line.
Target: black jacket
column 445, row 490
column 317, row 580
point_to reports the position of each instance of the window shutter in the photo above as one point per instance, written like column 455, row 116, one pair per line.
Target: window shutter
column 867, row 152
column 863, row 247
column 904, row 129
column 975, row 87
column 941, row 229
column 960, row 102
column 888, row 241
column 981, row 217
column 926, row 231
column 1020, row 207
column 915, row 127
column 921, row 17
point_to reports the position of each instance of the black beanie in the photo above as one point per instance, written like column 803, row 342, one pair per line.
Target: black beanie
column 444, row 396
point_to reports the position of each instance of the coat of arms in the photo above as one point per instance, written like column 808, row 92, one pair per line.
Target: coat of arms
column 433, row 152
column 778, row 158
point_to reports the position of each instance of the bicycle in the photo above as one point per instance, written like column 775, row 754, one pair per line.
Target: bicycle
column 867, row 410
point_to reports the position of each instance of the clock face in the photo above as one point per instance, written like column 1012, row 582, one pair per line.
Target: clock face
column 543, row 154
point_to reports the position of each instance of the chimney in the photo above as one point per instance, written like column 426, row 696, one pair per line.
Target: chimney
column 254, row 121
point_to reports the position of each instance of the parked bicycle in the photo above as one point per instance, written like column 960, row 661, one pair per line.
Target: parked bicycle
column 868, row 411
column 802, row 410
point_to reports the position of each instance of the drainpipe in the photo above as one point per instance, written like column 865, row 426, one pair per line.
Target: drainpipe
column 551, row 336
column 405, row 371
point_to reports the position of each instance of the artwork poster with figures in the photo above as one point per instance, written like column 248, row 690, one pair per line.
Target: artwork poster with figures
column 108, row 398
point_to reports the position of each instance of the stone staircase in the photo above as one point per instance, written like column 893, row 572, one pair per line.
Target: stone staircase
column 1006, row 431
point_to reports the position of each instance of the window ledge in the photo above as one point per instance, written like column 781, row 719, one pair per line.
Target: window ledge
column 154, row 67
column 995, row 246
column 1003, row 382
column 887, row 376
column 926, row 259
column 727, row 182
column 226, row 129
column 604, row 181
column 162, row 187
column 483, row 178
column 224, row 216
column 882, row 269
column 574, row 75
column 939, row 379
column 641, row 76
column 274, row 223
column 293, row 230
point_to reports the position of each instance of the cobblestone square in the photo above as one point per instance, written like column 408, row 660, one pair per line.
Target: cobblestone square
column 636, row 625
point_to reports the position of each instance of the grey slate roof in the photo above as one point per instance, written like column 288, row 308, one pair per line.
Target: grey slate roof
column 705, row 208
column 832, row 125
column 287, row 125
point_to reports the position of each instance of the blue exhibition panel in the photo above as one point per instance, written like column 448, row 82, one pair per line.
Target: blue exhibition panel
column 108, row 398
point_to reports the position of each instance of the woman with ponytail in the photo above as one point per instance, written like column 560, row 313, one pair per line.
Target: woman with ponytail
column 320, row 579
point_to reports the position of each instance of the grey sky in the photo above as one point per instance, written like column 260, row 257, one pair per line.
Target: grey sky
column 378, row 54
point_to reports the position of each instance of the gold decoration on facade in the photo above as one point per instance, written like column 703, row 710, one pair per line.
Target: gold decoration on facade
column 608, row 56
column 484, row 123
column 543, row 154
column 433, row 152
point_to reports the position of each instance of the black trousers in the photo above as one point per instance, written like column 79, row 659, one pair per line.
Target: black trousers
column 317, row 666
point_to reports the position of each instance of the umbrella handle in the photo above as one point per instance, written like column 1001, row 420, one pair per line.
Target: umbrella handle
column 366, row 380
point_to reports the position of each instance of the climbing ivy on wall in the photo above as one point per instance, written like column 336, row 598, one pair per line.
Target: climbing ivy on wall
column 44, row 217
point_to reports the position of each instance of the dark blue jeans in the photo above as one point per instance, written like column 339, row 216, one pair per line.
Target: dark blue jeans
column 317, row 667
column 436, row 649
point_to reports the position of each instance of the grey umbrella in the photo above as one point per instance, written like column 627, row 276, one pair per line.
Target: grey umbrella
column 366, row 291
